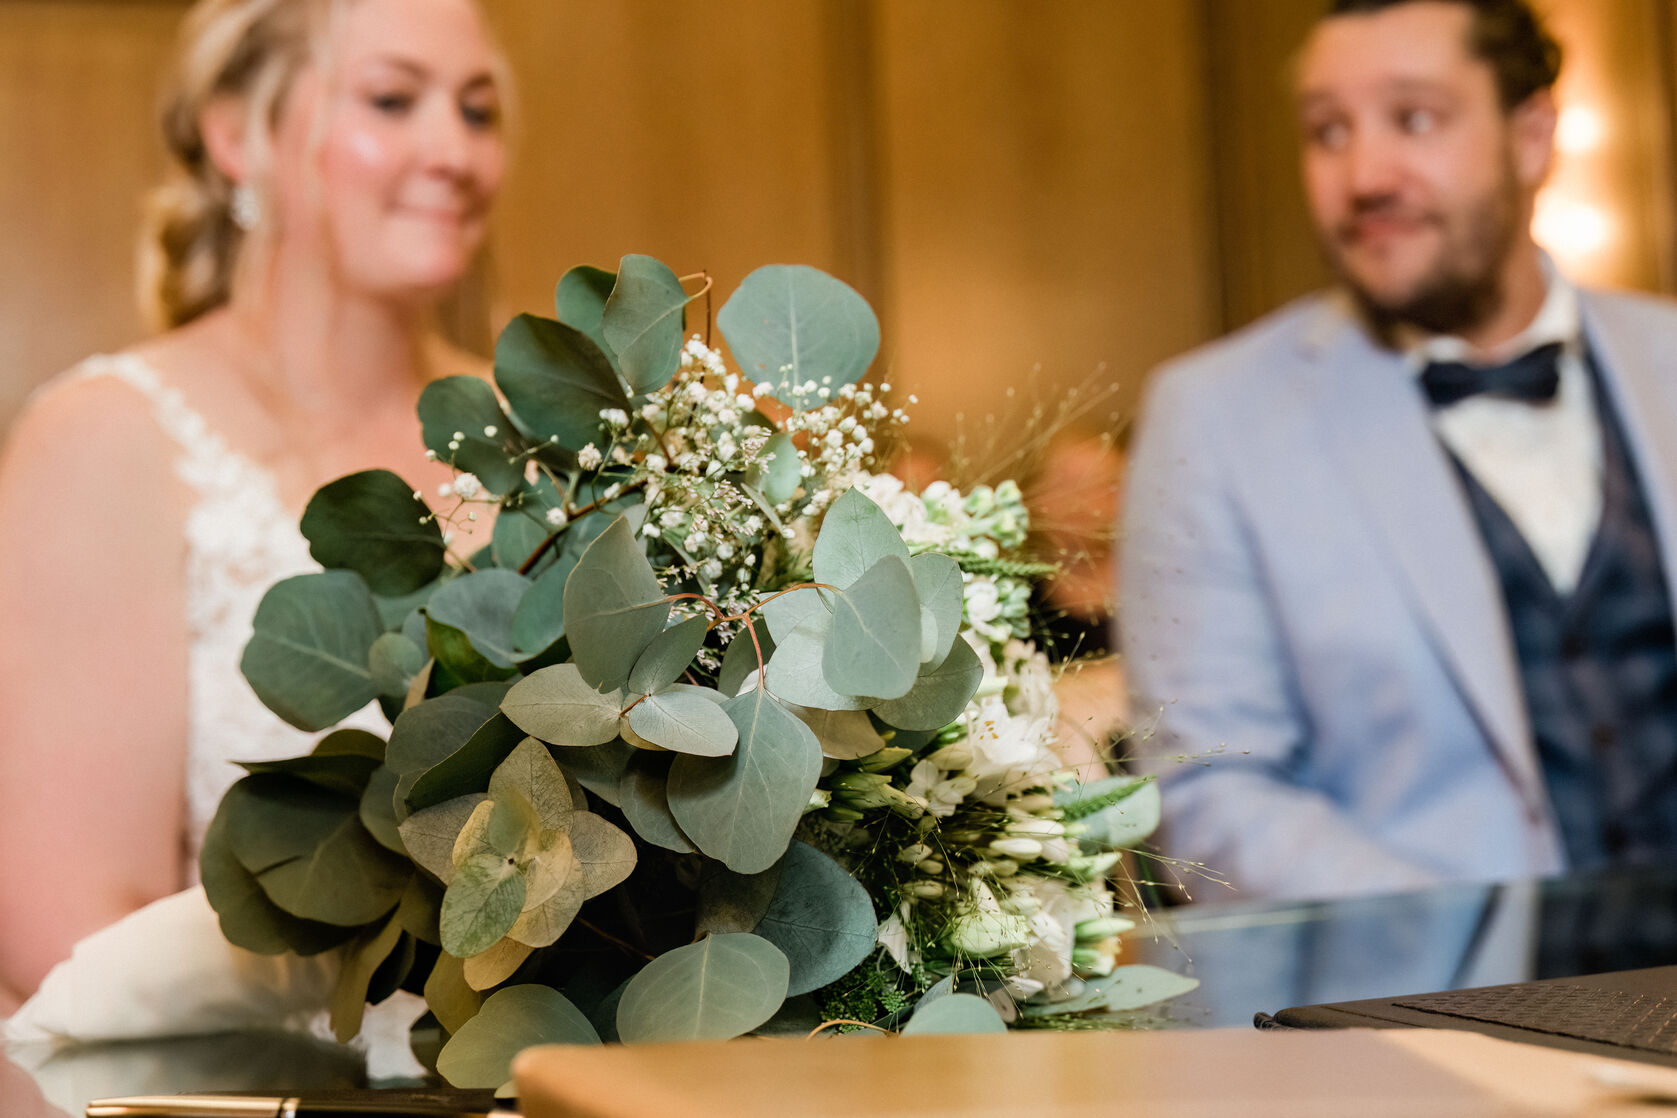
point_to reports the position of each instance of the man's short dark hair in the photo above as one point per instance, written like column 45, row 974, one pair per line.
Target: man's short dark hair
column 1506, row 34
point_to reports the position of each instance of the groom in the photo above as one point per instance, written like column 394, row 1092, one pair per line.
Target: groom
column 1399, row 559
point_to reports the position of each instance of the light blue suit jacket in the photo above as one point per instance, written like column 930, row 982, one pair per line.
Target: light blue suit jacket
column 1315, row 635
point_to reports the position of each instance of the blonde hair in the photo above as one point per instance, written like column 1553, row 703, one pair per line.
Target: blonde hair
column 248, row 51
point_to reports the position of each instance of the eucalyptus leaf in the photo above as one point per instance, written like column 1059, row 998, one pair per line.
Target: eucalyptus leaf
column 349, row 740
column 531, row 772
column 614, row 607
column 643, row 322
column 362, row 959
column 396, row 610
column 480, row 1053
column 394, row 661
column 777, row 471
column 559, row 706
column 307, row 848
column 248, row 918
column 845, row 735
column 556, row 380
column 490, row 968
column 580, row 301
column 540, row 620
column 448, row 994
column 377, row 808
column 421, row 909
column 427, row 733
column 955, row 1013
column 468, row 768
column 784, row 612
column 874, row 645
column 743, row 809
column 794, row 674
column 643, row 794
column 937, row 582
column 685, row 719
column 820, row 917
column 521, row 524
column 482, row 605
column 939, row 695
column 1140, row 985
column 600, row 768
column 466, row 407
column 733, row 902
column 719, row 988
column 670, row 653
column 372, row 523
column 741, row 658
column 481, row 905
column 788, row 325
column 343, row 773
column 855, row 534
column 307, row 659
column 430, row 835
column 458, row 657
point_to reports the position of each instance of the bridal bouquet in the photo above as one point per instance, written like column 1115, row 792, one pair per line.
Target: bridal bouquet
column 700, row 726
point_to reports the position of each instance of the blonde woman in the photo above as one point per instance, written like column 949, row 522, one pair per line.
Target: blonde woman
column 336, row 163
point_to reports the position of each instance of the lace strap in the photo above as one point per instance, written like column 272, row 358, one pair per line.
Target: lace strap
column 174, row 416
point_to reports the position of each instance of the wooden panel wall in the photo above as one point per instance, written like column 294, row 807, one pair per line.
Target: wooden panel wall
column 77, row 148
column 1011, row 184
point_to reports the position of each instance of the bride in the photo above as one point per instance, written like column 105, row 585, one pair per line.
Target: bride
column 336, row 162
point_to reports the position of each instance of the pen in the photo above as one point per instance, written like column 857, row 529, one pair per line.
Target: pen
column 296, row 1106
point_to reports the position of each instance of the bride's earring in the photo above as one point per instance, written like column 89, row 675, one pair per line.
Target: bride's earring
column 243, row 207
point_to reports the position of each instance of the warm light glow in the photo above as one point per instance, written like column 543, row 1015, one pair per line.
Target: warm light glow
column 1570, row 229
column 1579, row 129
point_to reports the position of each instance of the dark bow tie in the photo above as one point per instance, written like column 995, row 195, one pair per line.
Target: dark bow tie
column 1532, row 377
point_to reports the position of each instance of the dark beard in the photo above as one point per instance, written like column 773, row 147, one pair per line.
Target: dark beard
column 1466, row 290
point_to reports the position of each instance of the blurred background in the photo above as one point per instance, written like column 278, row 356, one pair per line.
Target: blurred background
column 1034, row 196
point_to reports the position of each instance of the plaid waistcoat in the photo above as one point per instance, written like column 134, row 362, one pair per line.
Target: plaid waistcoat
column 1598, row 667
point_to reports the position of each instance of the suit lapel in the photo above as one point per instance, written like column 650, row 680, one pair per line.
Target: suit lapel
column 1406, row 489
column 1630, row 366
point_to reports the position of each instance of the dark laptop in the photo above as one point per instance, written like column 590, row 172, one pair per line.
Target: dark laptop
column 1629, row 1015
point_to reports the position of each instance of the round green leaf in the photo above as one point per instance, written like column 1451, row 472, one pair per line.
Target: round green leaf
column 855, row 534
column 377, row 807
column 741, row 658
column 248, row 918
column 1138, row 985
column 719, row 988
column 426, row 734
column 874, row 646
column 467, row 406
column 614, row 607
column 343, row 773
column 393, row 661
column 955, row 1013
column 480, row 1052
column 458, row 659
column 670, row 653
column 742, row 809
column 821, row 918
column 940, row 694
column 778, row 471
column 482, row 605
column 468, row 768
column 540, row 621
column 307, row 659
column 686, row 719
column 481, row 905
column 307, row 848
column 580, row 300
column 794, row 674
column 372, row 523
column 642, row 322
column 558, row 706
column 790, row 324
column 937, row 582
column 429, row 835
column 643, row 794
column 600, row 768
column 556, row 380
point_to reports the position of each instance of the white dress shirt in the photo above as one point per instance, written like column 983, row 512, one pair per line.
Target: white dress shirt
column 1540, row 461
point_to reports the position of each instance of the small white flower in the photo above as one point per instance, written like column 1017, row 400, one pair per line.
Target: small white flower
column 656, row 463
column 467, row 486
column 711, row 569
column 490, row 431
column 556, row 517
column 446, row 489
column 694, row 541
column 589, row 457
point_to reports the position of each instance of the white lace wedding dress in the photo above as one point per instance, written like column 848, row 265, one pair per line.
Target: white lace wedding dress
column 240, row 541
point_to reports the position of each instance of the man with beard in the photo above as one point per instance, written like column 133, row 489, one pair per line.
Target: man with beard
column 1398, row 559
